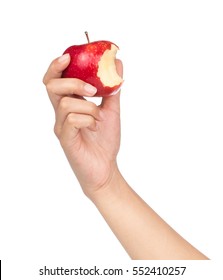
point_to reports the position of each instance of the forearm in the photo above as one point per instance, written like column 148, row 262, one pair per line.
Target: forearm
column 143, row 234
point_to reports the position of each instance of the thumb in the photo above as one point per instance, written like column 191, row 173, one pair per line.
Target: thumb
column 119, row 67
column 56, row 68
column 113, row 101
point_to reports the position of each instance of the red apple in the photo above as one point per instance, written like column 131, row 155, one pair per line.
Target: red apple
column 94, row 63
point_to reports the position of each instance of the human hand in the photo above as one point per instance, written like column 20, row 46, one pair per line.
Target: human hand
column 89, row 134
column 90, row 137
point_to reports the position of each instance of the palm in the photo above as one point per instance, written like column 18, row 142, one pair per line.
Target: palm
column 93, row 153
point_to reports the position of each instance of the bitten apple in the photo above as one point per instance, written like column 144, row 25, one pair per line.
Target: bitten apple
column 94, row 63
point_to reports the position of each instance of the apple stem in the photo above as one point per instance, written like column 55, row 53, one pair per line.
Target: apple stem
column 86, row 33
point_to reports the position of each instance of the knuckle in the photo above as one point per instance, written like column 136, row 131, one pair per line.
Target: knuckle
column 64, row 103
column 44, row 80
column 71, row 119
column 77, row 84
column 90, row 121
column 57, row 130
column 49, row 86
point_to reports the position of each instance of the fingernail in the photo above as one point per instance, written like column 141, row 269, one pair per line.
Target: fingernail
column 90, row 89
column 63, row 58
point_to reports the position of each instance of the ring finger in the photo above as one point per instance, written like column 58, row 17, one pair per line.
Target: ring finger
column 69, row 105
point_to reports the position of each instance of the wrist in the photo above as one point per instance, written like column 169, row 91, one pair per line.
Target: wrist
column 109, row 190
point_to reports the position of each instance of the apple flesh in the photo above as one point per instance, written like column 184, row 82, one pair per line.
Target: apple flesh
column 94, row 63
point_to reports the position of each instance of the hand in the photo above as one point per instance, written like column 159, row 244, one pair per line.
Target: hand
column 90, row 137
column 89, row 134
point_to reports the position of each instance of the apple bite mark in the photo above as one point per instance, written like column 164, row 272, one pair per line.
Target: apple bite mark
column 94, row 63
column 107, row 69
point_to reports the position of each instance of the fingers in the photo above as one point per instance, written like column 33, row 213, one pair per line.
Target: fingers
column 70, row 86
column 56, row 68
column 72, row 114
column 72, row 125
column 57, row 87
column 69, row 105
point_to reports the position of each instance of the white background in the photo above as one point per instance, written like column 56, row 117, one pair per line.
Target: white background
column 172, row 127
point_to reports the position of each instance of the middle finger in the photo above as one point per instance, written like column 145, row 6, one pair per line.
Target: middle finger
column 57, row 88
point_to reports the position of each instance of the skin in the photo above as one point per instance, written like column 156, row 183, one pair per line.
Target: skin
column 90, row 138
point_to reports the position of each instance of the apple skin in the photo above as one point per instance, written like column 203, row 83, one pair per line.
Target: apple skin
column 84, row 65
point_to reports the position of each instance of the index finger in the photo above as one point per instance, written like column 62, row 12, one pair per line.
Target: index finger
column 56, row 68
